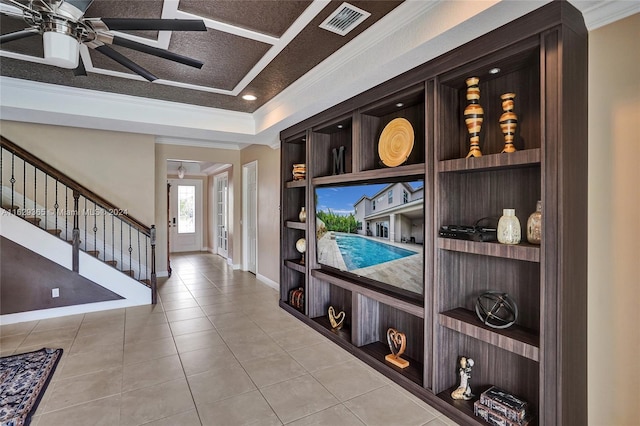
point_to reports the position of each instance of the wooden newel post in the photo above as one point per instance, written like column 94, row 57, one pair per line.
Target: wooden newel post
column 154, row 284
column 75, row 251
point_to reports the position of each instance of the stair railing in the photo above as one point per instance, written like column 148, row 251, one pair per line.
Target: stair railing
column 49, row 199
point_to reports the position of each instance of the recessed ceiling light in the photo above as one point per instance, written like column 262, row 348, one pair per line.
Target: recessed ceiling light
column 249, row 97
column 340, row 126
column 399, row 104
column 494, row 70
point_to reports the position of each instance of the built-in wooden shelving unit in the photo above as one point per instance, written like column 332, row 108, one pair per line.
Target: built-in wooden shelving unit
column 542, row 58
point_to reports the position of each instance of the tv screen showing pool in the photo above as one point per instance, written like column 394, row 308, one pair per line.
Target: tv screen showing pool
column 375, row 231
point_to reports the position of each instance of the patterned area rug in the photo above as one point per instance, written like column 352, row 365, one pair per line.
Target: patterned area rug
column 23, row 380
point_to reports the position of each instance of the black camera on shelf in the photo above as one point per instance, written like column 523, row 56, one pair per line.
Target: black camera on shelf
column 476, row 232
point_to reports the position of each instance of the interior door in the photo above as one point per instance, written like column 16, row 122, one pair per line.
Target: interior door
column 185, row 220
column 221, row 183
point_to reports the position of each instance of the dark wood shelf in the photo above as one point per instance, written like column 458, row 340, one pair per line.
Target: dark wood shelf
column 522, row 251
column 401, row 305
column 344, row 333
column 296, row 183
column 528, row 157
column 295, row 265
column 379, row 350
column 368, row 175
column 296, row 225
column 515, row 339
column 465, row 407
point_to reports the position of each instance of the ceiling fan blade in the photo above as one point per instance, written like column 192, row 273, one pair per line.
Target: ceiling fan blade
column 124, row 61
column 80, row 70
column 17, row 35
column 118, row 24
column 161, row 53
column 11, row 10
column 81, row 5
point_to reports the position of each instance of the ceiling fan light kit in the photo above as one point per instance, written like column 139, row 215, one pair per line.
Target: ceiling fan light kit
column 61, row 50
column 64, row 27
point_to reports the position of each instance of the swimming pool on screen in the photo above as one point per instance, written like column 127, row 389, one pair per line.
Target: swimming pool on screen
column 359, row 252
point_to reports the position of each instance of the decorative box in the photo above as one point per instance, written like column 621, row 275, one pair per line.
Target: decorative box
column 509, row 406
column 495, row 418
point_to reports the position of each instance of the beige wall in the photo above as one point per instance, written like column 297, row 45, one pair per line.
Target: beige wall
column 188, row 153
column 614, row 215
column 118, row 166
column 268, row 256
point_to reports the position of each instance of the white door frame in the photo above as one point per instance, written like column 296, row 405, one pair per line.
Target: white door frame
column 199, row 208
column 215, row 247
column 245, row 215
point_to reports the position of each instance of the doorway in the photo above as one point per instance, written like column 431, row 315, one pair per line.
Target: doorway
column 185, row 215
column 250, row 216
column 221, row 218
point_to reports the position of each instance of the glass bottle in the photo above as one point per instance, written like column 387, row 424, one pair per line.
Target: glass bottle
column 509, row 227
column 534, row 225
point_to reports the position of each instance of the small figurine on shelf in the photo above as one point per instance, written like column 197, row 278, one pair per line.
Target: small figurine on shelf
column 474, row 116
column 397, row 344
column 508, row 122
column 464, row 371
column 336, row 321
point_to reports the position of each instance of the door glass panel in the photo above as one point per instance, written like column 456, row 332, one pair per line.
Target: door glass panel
column 186, row 209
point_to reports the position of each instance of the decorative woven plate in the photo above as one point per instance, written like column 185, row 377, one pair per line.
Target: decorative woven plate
column 396, row 142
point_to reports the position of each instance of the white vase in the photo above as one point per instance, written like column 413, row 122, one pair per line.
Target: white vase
column 509, row 227
column 302, row 215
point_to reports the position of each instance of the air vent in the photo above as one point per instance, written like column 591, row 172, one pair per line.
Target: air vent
column 344, row 19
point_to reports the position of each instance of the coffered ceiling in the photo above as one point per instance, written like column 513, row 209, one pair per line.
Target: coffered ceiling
column 273, row 49
column 256, row 47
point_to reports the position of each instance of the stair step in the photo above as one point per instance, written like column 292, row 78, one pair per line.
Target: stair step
column 129, row 272
column 34, row 220
column 11, row 208
column 55, row 232
column 113, row 263
column 93, row 253
column 146, row 282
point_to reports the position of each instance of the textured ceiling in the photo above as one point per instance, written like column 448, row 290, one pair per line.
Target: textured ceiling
column 250, row 47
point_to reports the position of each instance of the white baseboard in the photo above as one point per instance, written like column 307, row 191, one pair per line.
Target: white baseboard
column 269, row 282
column 67, row 310
column 161, row 274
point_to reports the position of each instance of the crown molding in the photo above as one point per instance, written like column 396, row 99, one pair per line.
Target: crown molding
column 163, row 140
column 600, row 13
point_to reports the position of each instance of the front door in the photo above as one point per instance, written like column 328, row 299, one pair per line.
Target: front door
column 221, row 184
column 185, row 219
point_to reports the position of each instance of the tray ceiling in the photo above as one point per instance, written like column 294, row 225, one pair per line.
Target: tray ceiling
column 250, row 47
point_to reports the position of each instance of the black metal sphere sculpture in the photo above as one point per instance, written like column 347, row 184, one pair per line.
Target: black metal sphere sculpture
column 496, row 309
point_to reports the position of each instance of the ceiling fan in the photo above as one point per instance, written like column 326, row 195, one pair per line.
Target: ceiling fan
column 63, row 28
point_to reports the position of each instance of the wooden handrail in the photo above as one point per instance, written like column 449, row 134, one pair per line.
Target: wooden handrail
column 75, row 186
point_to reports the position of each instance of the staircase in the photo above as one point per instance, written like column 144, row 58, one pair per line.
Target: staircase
column 47, row 199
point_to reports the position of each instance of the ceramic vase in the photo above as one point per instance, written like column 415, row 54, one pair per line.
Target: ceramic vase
column 302, row 215
column 473, row 116
column 534, row 225
column 509, row 227
column 508, row 121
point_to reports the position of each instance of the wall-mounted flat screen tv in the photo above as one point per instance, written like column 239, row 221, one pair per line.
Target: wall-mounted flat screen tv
column 374, row 232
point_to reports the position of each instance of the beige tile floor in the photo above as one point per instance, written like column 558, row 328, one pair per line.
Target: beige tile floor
column 216, row 350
